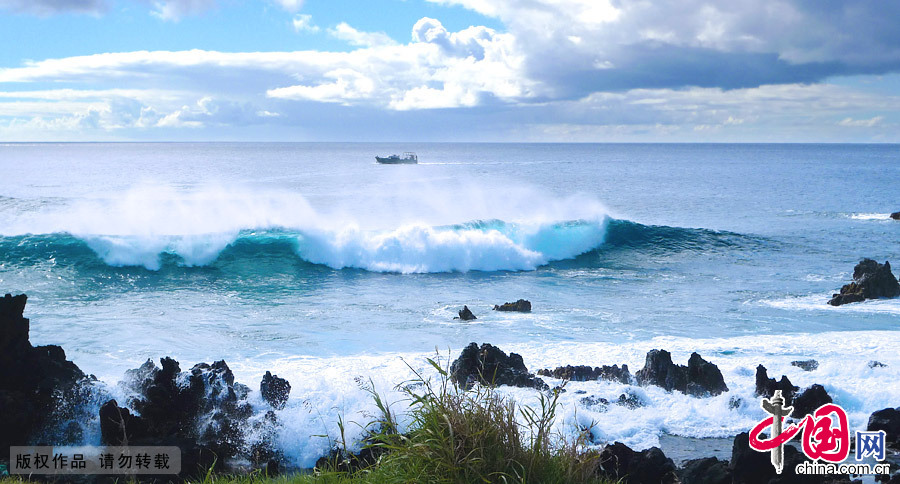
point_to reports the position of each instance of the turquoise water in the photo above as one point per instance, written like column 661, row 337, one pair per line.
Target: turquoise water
column 312, row 261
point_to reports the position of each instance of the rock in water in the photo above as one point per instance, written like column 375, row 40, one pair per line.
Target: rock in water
column 747, row 465
column 709, row 470
column 809, row 400
column 895, row 215
column 488, row 365
column 522, row 306
column 765, row 386
column 699, row 378
column 704, row 378
column 275, row 390
column 871, row 280
column 465, row 314
column 587, row 373
column 887, row 419
column 32, row 379
column 806, row 365
column 203, row 411
column 651, row 466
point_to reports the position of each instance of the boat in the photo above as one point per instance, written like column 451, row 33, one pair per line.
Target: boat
column 408, row 158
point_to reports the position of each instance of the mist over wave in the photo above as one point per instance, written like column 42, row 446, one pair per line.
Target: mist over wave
column 408, row 231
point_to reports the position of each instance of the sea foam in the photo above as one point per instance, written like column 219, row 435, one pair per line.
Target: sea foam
column 339, row 386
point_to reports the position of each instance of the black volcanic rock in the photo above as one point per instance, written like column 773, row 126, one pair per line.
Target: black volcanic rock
column 203, row 411
column 765, row 386
column 871, row 280
column 704, row 378
column 275, row 390
column 588, row 373
column 699, row 378
column 33, row 380
column 630, row 400
column 806, row 365
column 522, row 306
column 488, row 365
column 651, row 466
column 751, row 467
column 887, row 419
column 747, row 465
column 709, row 470
column 895, row 215
column 809, row 400
column 465, row 314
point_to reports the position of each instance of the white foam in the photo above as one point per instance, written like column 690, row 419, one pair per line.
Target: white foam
column 870, row 216
column 819, row 302
column 135, row 227
column 324, row 389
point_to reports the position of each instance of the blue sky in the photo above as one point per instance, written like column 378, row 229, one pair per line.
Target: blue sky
column 450, row 70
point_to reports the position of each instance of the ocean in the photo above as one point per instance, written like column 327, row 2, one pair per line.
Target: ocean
column 313, row 262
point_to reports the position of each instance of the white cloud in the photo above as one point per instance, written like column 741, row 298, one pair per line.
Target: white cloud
column 543, row 79
column 354, row 37
column 347, row 86
column 50, row 7
column 861, row 123
column 303, row 23
column 177, row 9
column 469, row 42
column 582, row 46
column 290, row 5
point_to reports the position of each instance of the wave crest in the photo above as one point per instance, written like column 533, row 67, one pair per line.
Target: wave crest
column 483, row 245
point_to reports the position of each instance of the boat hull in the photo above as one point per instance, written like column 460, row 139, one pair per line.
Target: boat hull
column 395, row 161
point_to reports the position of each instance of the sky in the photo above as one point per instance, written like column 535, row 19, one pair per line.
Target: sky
column 450, row 70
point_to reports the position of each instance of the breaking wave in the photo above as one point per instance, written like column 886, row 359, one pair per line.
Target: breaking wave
column 492, row 245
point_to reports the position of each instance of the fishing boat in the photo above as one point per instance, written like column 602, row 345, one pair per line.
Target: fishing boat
column 408, row 158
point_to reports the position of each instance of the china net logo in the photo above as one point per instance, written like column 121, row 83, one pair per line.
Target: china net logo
column 825, row 440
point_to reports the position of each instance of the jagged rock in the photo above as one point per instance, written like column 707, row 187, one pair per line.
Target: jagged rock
column 887, row 419
column 651, row 466
column 765, row 386
column 809, row 400
column 488, row 365
column 895, row 215
column 704, row 378
column 630, row 400
column 275, row 390
column 747, row 465
column 264, row 453
column 522, row 306
column 119, row 427
column 699, row 378
column 465, row 314
column 587, row 373
column 751, row 467
column 876, row 364
column 806, row 365
column 203, row 411
column 892, row 479
column 709, row 470
column 32, row 379
column 595, row 403
column 871, row 280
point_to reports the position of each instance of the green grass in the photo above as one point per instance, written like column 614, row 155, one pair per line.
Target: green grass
column 464, row 437
column 455, row 436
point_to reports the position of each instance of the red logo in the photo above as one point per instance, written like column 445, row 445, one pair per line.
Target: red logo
column 826, row 433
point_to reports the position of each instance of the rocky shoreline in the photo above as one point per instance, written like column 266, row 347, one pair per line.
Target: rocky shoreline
column 205, row 412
